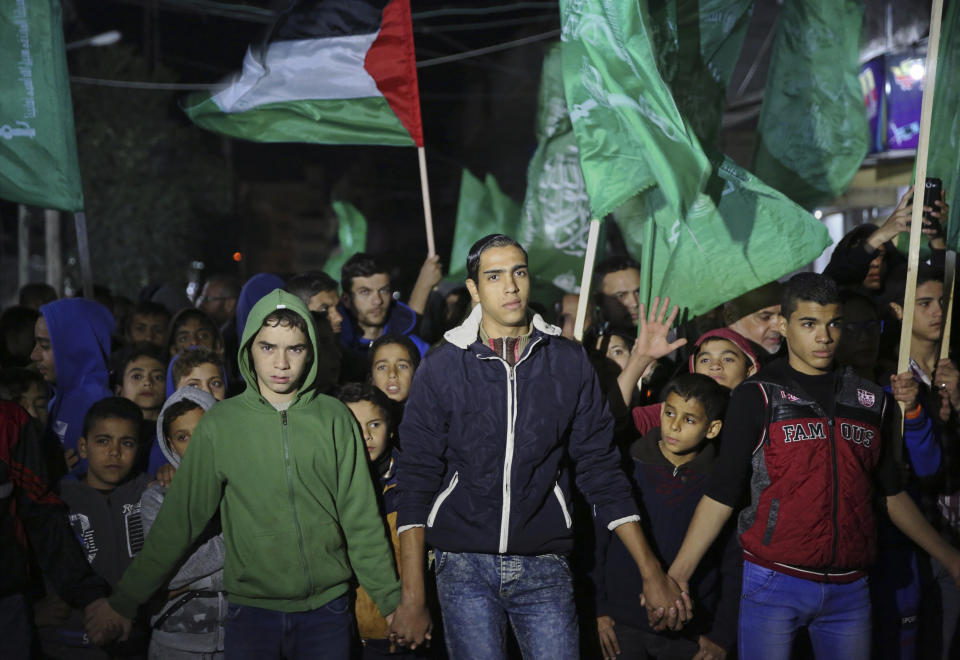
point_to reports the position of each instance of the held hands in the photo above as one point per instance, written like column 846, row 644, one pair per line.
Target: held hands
column 608, row 638
column 409, row 624
column 668, row 605
column 709, row 650
column 103, row 624
column 905, row 389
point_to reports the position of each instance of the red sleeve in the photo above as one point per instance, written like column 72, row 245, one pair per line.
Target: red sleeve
column 646, row 418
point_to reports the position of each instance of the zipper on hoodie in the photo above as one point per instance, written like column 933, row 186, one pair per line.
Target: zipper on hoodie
column 293, row 503
column 508, row 453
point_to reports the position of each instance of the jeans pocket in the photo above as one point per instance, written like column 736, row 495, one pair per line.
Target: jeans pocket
column 759, row 583
column 439, row 561
column 561, row 560
column 338, row 605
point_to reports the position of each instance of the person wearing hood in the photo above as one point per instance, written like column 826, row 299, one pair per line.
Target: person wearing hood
column 72, row 352
column 190, row 623
column 287, row 469
column 255, row 288
column 369, row 311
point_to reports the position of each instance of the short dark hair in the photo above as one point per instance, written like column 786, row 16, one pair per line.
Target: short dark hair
column 360, row 265
column 356, row 392
column 189, row 359
column 808, row 287
column 306, row 285
column 185, row 315
column 175, row 410
column 896, row 285
column 230, row 283
column 484, row 244
column 287, row 318
column 612, row 265
column 35, row 294
column 147, row 308
column 113, row 407
column 401, row 340
column 15, row 381
column 122, row 359
column 706, row 391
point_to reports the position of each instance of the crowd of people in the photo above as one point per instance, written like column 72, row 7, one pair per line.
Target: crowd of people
column 307, row 468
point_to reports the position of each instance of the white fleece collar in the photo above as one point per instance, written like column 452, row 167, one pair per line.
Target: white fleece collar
column 467, row 332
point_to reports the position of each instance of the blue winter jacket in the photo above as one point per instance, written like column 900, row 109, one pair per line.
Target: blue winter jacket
column 487, row 448
column 400, row 321
column 80, row 335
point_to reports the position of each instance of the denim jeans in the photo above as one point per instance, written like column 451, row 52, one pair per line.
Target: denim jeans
column 479, row 593
column 774, row 606
column 258, row 634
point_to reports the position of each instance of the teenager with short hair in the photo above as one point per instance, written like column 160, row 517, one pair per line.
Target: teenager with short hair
column 287, row 469
column 192, row 328
column 147, row 322
column 394, row 359
column 320, row 293
column 200, row 368
column 815, row 439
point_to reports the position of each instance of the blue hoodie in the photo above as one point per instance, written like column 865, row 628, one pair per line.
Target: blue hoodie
column 401, row 320
column 80, row 335
column 256, row 288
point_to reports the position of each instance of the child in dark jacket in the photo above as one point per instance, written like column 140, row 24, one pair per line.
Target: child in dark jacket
column 670, row 468
column 105, row 516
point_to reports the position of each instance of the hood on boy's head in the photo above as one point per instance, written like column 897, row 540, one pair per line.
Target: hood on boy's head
column 80, row 332
column 199, row 397
column 276, row 299
column 732, row 336
column 256, row 288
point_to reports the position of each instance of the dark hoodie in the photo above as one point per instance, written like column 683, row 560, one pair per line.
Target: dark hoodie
column 401, row 320
column 80, row 335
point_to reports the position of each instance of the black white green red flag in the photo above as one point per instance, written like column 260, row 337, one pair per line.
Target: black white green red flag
column 328, row 72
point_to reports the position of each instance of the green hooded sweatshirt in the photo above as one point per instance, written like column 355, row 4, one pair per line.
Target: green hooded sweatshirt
column 296, row 501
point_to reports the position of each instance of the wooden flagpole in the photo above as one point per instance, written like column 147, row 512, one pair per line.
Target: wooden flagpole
column 427, row 212
column 587, row 280
column 83, row 252
column 916, row 220
column 949, row 284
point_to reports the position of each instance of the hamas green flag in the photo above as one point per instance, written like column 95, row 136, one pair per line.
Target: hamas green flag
column 483, row 209
column 38, row 146
column 739, row 234
column 629, row 130
column 556, row 210
column 943, row 161
column 352, row 233
column 697, row 45
column 812, row 132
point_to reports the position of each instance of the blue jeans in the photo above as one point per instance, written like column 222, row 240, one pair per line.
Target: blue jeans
column 258, row 634
column 480, row 593
column 774, row 606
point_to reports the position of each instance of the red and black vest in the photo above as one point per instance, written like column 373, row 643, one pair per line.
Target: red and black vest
column 812, row 509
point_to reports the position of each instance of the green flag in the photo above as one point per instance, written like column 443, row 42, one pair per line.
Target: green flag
column 352, row 234
column 556, row 210
column 629, row 130
column 38, row 145
column 812, row 132
column 739, row 234
column 483, row 209
column 943, row 161
column 698, row 43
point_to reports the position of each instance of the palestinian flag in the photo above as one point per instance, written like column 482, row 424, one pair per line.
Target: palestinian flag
column 328, row 72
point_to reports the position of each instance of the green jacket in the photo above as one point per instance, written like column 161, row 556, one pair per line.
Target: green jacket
column 296, row 501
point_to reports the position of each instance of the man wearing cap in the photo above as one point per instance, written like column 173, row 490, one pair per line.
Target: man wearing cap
column 754, row 315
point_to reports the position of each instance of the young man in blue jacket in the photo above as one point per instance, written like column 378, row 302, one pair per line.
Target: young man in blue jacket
column 495, row 418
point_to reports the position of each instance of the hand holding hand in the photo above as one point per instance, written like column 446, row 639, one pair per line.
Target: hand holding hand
column 668, row 606
column 103, row 624
column 410, row 624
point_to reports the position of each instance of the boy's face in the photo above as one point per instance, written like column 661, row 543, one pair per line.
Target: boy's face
column 181, row 430
column 206, row 377
column 193, row 332
column 149, row 328
column 502, row 289
column 393, row 371
column 34, row 401
column 326, row 302
column 143, row 383
column 928, row 312
column 280, row 355
column 110, row 448
column 42, row 354
column 369, row 299
column 683, row 426
column 812, row 333
column 373, row 424
column 724, row 362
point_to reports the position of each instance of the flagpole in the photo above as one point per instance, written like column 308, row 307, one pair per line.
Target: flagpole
column 646, row 266
column 427, row 212
column 83, row 253
column 587, row 280
column 916, row 221
column 949, row 283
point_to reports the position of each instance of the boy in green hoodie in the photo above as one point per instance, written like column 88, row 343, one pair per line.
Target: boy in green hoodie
column 287, row 469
